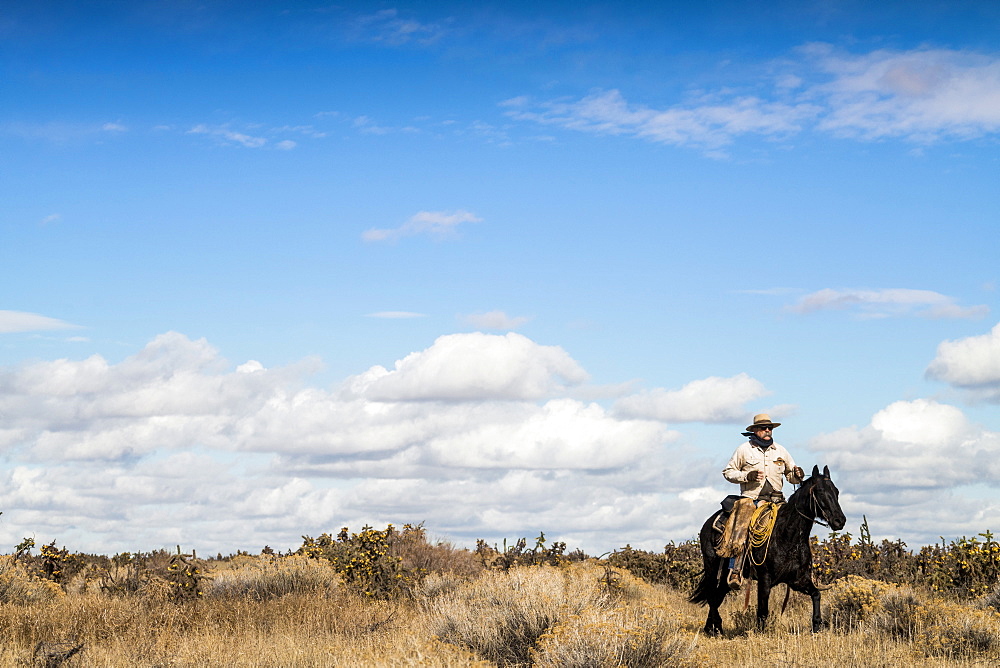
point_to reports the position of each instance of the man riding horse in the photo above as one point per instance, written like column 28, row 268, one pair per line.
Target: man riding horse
column 759, row 466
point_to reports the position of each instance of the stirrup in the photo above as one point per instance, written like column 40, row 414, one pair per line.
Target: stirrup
column 735, row 580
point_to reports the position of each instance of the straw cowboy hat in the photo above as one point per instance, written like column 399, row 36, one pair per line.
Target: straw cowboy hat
column 762, row 420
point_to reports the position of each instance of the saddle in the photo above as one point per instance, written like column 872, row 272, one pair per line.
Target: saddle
column 733, row 530
column 719, row 525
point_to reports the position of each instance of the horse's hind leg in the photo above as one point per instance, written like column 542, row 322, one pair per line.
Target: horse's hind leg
column 763, row 598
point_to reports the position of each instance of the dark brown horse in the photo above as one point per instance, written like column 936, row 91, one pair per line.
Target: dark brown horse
column 786, row 558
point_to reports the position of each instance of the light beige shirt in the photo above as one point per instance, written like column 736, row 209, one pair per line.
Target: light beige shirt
column 775, row 463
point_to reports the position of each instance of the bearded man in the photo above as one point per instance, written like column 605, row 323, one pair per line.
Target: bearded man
column 759, row 466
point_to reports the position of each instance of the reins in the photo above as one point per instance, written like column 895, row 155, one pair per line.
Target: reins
column 816, row 508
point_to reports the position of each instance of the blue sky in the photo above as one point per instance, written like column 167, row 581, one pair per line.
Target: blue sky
column 520, row 267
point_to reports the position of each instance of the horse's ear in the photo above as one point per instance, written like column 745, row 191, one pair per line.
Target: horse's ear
column 815, row 470
column 826, row 471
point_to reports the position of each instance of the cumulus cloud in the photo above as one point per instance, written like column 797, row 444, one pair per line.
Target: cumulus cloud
column 887, row 303
column 918, row 444
column 971, row 363
column 920, row 95
column 495, row 320
column 472, row 434
column 473, row 367
column 22, row 321
column 478, row 435
column 563, row 434
column 910, row 464
column 712, row 399
column 437, row 224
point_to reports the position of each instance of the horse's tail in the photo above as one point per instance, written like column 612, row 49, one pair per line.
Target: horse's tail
column 707, row 585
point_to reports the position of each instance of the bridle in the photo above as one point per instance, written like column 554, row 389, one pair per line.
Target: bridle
column 818, row 511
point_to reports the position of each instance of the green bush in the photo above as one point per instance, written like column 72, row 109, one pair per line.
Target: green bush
column 679, row 565
column 518, row 554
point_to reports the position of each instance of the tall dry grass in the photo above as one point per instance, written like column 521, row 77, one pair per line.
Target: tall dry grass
column 291, row 611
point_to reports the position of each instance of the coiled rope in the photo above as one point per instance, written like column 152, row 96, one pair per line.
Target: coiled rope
column 760, row 536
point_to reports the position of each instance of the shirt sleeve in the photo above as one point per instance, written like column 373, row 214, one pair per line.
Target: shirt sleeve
column 734, row 469
column 790, row 470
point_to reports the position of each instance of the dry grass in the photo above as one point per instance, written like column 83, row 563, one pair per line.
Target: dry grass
column 267, row 611
column 501, row 615
column 269, row 577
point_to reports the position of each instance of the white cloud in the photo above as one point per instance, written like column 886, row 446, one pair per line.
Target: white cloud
column 99, row 451
column 21, row 321
column 973, row 362
column 909, row 469
column 920, row 95
column 923, row 94
column 477, row 435
column 712, row 399
column 438, row 224
column 388, row 27
column 918, row 444
column 563, row 434
column 473, row 367
column 52, row 131
column 495, row 320
column 887, row 303
column 706, row 123
column 224, row 134
column 114, row 127
column 51, row 218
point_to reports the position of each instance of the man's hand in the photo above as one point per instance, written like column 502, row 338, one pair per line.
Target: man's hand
column 753, row 476
column 799, row 473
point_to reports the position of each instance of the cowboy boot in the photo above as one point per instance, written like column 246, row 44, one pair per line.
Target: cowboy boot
column 735, row 579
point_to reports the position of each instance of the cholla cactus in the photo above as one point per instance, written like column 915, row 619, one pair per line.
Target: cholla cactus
column 185, row 576
column 366, row 560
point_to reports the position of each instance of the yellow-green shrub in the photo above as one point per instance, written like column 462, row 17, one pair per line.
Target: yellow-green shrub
column 854, row 601
column 366, row 560
column 935, row 626
column 17, row 585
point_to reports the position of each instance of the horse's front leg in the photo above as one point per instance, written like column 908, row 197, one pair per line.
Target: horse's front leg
column 806, row 586
column 763, row 598
column 817, row 619
column 713, row 626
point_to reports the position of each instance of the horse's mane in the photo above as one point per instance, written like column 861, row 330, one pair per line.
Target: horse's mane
column 801, row 494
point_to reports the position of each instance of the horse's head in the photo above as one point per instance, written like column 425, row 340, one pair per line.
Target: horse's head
column 824, row 497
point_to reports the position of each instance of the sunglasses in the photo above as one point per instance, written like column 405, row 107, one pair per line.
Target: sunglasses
column 762, row 428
